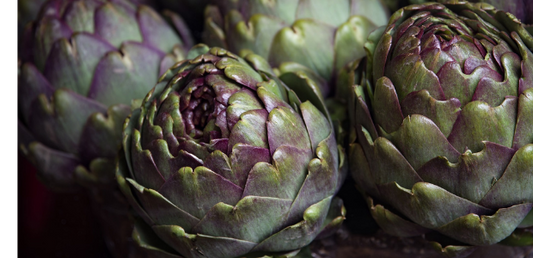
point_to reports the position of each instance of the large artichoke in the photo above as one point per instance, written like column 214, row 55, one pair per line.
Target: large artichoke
column 84, row 63
column 320, row 35
column 225, row 161
column 442, row 128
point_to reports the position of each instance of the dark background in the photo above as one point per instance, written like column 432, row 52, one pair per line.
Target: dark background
column 52, row 224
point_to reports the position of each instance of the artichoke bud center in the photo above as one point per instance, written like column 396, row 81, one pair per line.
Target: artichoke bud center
column 200, row 110
column 450, row 58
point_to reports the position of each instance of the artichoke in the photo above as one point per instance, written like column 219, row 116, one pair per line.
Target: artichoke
column 84, row 63
column 441, row 125
column 320, row 35
column 226, row 161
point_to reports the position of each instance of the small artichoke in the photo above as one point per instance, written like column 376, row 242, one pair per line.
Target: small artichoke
column 225, row 161
column 320, row 35
column 84, row 62
column 442, row 137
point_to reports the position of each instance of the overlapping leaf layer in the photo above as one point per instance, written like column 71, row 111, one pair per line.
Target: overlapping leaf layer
column 84, row 61
column 443, row 135
column 226, row 161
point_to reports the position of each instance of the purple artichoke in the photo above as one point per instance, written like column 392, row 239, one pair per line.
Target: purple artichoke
column 84, row 63
column 442, row 129
column 226, row 161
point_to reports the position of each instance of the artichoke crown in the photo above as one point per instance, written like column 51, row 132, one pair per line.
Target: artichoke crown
column 84, row 62
column 229, row 157
column 442, row 123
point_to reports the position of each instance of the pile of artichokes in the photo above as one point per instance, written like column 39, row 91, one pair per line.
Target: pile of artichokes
column 233, row 138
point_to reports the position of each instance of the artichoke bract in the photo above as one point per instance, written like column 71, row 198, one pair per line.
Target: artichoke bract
column 26, row 12
column 442, row 124
column 84, row 63
column 320, row 35
column 521, row 9
column 225, row 161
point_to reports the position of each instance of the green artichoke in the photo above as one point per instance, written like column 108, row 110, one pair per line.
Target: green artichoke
column 226, row 161
column 442, row 125
column 84, row 63
column 320, row 35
